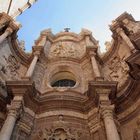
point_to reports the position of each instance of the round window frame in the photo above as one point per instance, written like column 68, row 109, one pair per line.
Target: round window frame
column 52, row 79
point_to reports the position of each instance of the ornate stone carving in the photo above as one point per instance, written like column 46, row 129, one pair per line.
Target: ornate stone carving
column 59, row 131
column 12, row 66
column 66, row 49
column 133, row 27
column 118, row 71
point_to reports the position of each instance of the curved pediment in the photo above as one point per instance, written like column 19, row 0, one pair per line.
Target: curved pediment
column 66, row 44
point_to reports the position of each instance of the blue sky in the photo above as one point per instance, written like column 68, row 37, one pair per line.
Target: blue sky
column 94, row 15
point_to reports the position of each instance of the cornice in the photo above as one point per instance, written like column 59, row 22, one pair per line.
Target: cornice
column 25, row 58
column 113, row 49
column 50, row 101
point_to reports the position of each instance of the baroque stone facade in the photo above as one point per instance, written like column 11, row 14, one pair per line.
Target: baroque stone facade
column 65, row 90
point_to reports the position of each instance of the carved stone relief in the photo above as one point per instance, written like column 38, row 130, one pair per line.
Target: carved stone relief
column 66, row 49
column 133, row 27
column 59, row 134
column 12, row 67
column 59, row 131
column 118, row 71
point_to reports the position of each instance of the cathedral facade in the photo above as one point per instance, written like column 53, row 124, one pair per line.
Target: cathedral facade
column 65, row 89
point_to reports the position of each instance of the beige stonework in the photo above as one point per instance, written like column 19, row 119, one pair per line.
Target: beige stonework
column 65, row 90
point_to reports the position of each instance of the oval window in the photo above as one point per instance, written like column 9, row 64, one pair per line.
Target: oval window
column 64, row 83
column 63, row 79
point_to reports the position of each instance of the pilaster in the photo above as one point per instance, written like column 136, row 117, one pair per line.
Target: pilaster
column 95, row 65
column 36, row 52
column 104, row 92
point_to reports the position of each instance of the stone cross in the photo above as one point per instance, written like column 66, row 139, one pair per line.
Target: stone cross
column 66, row 29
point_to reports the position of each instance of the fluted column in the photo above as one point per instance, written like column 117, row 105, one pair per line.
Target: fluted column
column 110, row 126
column 33, row 63
column 13, row 113
column 125, row 38
column 95, row 65
column 7, row 32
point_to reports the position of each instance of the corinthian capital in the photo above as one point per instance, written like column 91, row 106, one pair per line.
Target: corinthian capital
column 15, row 108
column 107, row 111
column 37, row 50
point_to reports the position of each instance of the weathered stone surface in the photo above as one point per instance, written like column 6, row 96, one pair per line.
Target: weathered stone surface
column 69, row 91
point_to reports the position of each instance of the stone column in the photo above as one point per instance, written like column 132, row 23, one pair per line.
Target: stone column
column 7, row 32
column 95, row 65
column 110, row 126
column 107, row 113
column 125, row 38
column 33, row 63
column 13, row 113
